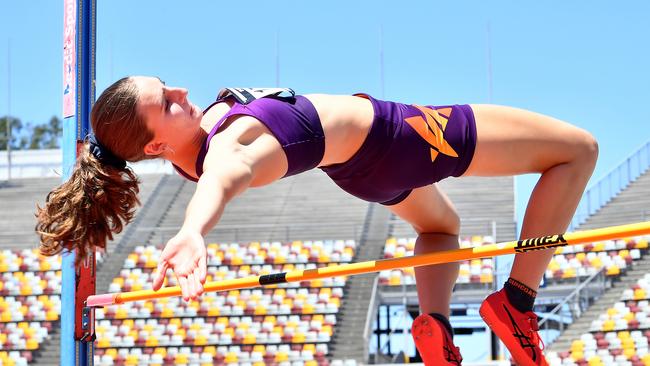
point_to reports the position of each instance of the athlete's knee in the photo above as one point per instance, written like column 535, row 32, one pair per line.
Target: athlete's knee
column 446, row 224
column 587, row 149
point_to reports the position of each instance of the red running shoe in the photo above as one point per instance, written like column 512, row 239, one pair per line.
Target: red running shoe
column 434, row 342
column 517, row 330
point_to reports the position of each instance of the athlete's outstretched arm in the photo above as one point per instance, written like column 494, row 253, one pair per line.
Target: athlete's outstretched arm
column 248, row 155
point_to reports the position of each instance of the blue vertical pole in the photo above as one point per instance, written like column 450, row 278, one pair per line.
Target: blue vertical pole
column 78, row 96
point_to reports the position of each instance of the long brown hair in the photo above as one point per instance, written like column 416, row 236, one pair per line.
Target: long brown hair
column 99, row 199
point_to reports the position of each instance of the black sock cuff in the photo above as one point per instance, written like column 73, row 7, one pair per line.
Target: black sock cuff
column 445, row 321
column 520, row 296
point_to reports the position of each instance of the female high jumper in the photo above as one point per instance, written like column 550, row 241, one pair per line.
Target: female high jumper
column 380, row 151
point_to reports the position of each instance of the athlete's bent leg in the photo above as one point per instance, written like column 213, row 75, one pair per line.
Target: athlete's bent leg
column 435, row 220
column 510, row 142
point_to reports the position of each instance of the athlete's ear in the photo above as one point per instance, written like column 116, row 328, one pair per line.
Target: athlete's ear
column 154, row 148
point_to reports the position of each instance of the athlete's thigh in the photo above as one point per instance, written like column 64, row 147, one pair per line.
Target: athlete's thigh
column 428, row 210
column 515, row 141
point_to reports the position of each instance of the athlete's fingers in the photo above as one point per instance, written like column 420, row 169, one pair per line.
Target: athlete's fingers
column 198, row 286
column 202, row 269
column 161, row 271
column 191, row 286
column 182, row 281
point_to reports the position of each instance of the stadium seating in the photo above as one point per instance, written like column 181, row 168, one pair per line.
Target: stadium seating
column 477, row 271
column 569, row 262
column 30, row 302
column 619, row 336
column 288, row 323
column 584, row 260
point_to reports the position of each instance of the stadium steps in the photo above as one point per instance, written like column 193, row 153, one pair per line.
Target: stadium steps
column 629, row 206
column 478, row 201
column 611, row 296
column 18, row 200
column 151, row 213
column 354, row 309
column 307, row 206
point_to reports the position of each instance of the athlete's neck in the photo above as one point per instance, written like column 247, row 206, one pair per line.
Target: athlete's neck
column 185, row 156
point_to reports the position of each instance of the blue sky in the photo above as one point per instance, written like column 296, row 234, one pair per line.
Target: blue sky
column 585, row 62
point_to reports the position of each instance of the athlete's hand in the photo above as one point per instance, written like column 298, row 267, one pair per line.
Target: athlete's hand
column 186, row 255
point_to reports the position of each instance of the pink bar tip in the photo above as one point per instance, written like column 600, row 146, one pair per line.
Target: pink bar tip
column 100, row 300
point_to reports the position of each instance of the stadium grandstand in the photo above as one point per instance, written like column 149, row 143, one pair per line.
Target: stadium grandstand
column 593, row 305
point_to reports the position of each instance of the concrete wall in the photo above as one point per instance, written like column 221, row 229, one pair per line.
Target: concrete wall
column 47, row 163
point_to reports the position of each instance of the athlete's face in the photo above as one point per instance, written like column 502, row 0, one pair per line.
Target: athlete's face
column 168, row 113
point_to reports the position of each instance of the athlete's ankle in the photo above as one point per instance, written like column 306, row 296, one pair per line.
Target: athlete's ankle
column 520, row 296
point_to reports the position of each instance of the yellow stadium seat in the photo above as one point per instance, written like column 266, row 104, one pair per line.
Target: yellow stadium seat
column 25, row 289
column 576, row 355
column 200, row 340
column 309, row 347
column 250, row 338
column 51, row 315
column 259, row 348
column 608, row 325
column 614, row 270
column 308, row 309
column 160, row 351
column 103, row 343
column 639, row 294
column 112, row 352
column 213, row 311
column 298, row 338
column 121, row 313
column 260, row 310
column 132, row 360
column 629, row 316
column 231, row 357
column 211, row 350
column 595, row 361
column 577, row 345
column 31, row 344
column 486, row 278
column 569, row 273
column 151, row 342
column 167, row 313
column 317, row 283
column 281, row 357
column 181, row 358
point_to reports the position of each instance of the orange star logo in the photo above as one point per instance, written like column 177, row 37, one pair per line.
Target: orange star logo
column 431, row 128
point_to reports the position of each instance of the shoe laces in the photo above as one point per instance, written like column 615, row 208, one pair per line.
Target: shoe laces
column 534, row 330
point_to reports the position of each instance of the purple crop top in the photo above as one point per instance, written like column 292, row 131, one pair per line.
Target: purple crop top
column 292, row 120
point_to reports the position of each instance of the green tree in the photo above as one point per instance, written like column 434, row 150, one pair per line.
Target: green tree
column 47, row 135
column 16, row 128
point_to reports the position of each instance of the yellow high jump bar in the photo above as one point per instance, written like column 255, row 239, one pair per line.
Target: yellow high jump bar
column 490, row 250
